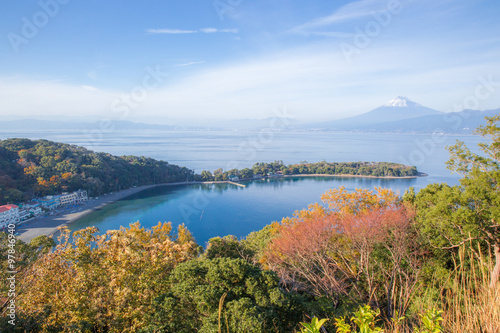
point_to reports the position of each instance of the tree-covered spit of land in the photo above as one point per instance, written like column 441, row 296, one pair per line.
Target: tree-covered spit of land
column 262, row 169
column 363, row 261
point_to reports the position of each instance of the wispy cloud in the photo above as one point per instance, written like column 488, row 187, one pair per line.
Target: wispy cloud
column 214, row 30
column 92, row 74
column 170, row 31
column 89, row 88
column 27, row 96
column 313, row 81
column 351, row 11
column 332, row 34
column 190, row 63
column 202, row 30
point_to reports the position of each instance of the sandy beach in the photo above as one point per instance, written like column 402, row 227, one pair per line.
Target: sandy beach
column 48, row 225
column 421, row 174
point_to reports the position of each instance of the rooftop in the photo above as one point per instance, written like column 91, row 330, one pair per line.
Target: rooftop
column 7, row 208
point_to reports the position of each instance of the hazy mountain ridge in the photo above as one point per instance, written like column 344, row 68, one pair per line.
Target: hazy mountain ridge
column 37, row 124
column 399, row 115
column 274, row 123
column 402, row 115
column 396, row 109
column 463, row 122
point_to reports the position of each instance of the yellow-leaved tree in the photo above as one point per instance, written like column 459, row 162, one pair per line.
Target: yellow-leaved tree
column 103, row 283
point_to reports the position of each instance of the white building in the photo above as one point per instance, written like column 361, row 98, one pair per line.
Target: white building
column 50, row 202
column 36, row 211
column 33, row 207
column 24, row 214
column 82, row 196
column 73, row 198
column 8, row 214
column 68, row 198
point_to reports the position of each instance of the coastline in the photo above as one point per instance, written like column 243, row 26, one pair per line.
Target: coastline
column 49, row 225
column 421, row 174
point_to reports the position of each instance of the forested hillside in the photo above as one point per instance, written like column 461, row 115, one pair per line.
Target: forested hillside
column 36, row 168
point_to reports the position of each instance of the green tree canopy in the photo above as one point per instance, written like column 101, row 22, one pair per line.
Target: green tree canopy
column 452, row 216
column 232, row 292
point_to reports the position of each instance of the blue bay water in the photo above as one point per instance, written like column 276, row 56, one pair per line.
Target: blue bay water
column 218, row 210
column 222, row 209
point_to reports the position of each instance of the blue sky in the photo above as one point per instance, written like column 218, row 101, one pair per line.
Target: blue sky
column 163, row 59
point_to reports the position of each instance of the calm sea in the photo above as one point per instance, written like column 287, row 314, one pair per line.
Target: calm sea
column 219, row 210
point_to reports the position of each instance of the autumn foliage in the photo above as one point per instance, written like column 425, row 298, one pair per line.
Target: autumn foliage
column 360, row 248
column 103, row 283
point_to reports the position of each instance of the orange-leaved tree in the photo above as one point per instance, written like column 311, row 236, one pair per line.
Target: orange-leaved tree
column 361, row 248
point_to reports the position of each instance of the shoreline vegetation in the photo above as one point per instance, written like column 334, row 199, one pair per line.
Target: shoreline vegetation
column 49, row 225
column 343, row 169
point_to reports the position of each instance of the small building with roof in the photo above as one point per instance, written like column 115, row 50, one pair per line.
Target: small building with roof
column 9, row 214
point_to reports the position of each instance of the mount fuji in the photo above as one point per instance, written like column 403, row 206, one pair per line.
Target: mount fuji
column 401, row 115
column 399, row 108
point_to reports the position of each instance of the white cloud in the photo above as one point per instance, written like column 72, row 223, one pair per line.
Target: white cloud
column 89, row 88
column 202, row 30
column 331, row 34
column 209, row 30
column 314, row 82
column 170, row 31
column 214, row 30
column 190, row 63
column 353, row 10
column 318, row 83
column 26, row 96
column 92, row 74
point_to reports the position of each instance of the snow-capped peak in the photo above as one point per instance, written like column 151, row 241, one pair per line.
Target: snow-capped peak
column 400, row 101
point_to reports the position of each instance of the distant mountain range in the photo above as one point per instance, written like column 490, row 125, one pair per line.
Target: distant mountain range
column 37, row 124
column 402, row 115
column 34, row 124
column 399, row 115
column 464, row 122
